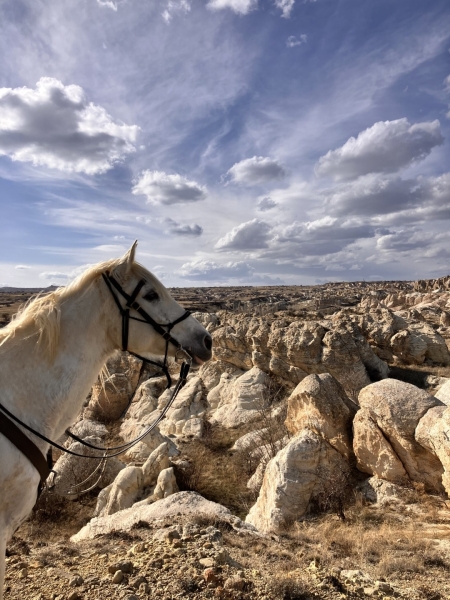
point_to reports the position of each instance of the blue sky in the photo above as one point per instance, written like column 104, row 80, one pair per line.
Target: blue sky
column 240, row 141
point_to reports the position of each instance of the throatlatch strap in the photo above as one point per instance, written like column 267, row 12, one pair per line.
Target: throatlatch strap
column 23, row 443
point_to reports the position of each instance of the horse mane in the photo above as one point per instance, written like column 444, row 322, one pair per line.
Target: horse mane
column 41, row 315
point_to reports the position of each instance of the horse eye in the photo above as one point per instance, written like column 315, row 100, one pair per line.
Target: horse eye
column 151, row 296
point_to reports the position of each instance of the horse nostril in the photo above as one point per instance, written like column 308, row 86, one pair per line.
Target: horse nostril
column 208, row 342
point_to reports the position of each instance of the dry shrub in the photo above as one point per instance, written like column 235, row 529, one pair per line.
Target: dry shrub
column 216, row 475
column 286, row 588
column 335, row 493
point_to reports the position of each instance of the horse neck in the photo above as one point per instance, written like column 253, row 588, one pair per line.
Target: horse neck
column 49, row 395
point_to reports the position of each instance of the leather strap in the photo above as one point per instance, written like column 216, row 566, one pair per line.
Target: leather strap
column 23, row 443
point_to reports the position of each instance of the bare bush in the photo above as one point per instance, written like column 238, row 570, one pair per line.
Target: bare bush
column 335, row 492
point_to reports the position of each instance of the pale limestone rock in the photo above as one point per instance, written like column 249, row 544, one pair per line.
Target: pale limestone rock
column 288, row 372
column 214, row 396
column 211, row 371
column 210, row 321
column 255, row 481
column 290, row 349
column 380, row 492
column 143, row 412
column 249, row 440
column 242, row 399
column 166, row 485
column 86, row 428
column 108, row 402
column 418, row 343
column 185, row 416
column 397, row 407
column 443, row 394
column 74, row 470
column 180, row 505
column 290, row 479
column 319, row 403
column 433, row 433
column 131, row 483
column 374, row 453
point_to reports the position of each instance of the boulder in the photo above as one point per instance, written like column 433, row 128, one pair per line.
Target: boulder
column 433, row 433
column 290, row 480
column 211, row 371
column 241, row 399
column 183, row 505
column 319, row 403
column 374, row 453
column 133, row 482
column 111, row 398
column 420, row 343
column 380, row 492
column 185, row 417
column 396, row 408
column 143, row 412
column 443, row 394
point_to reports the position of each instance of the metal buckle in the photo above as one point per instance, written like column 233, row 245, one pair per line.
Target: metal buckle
column 184, row 355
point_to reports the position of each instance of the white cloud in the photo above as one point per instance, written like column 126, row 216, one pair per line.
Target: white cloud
column 266, row 203
column 246, row 236
column 55, row 126
column 161, row 188
column 293, row 41
column 386, row 147
column 206, row 270
column 256, row 170
column 54, row 275
column 285, row 6
column 116, row 248
column 22, row 267
column 192, row 230
column 173, row 7
column 406, row 240
column 108, row 4
column 240, row 7
column 447, row 83
column 374, row 195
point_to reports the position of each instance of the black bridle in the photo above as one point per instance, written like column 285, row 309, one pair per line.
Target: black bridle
column 163, row 329
column 27, row 446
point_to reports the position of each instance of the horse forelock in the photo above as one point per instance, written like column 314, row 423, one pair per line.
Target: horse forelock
column 41, row 315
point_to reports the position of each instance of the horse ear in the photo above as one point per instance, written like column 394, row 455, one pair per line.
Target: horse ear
column 126, row 263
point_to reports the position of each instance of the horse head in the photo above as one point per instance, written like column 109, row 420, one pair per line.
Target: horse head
column 152, row 305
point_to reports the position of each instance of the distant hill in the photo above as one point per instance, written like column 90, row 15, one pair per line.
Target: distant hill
column 13, row 290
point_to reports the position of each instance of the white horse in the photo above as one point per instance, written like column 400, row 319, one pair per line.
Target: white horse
column 51, row 354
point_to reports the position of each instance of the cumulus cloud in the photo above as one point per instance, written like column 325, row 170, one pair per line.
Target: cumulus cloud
column 321, row 237
column 386, row 147
column 173, row 7
column 374, row 195
column 293, row 41
column 162, row 188
column 266, row 203
column 22, row 267
column 251, row 235
column 406, row 240
column 240, row 7
column 207, row 270
column 192, row 230
column 256, row 170
column 55, row 126
column 285, row 6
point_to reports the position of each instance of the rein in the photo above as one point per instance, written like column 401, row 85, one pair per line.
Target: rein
column 32, row 452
